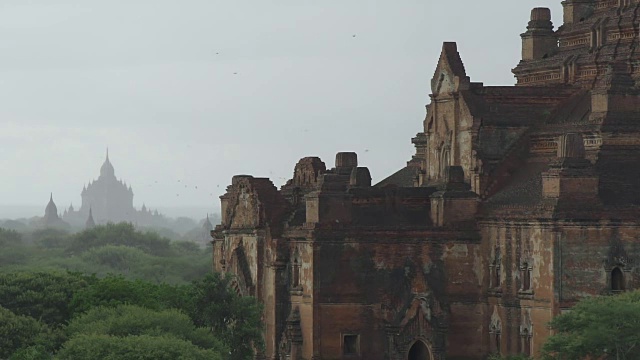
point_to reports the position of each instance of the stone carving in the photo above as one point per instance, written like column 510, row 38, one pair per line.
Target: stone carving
column 424, row 320
column 618, row 258
column 285, row 347
column 291, row 341
column 243, row 208
column 495, row 326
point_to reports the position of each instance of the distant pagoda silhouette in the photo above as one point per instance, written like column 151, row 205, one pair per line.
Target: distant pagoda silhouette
column 109, row 199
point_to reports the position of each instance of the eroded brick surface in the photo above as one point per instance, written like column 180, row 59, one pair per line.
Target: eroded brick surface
column 519, row 202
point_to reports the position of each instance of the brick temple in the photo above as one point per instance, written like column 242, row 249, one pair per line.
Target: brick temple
column 519, row 201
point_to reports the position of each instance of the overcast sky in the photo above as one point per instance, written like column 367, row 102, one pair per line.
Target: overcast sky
column 200, row 90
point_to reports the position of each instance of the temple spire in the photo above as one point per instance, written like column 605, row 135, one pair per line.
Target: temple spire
column 51, row 211
column 107, row 169
column 90, row 222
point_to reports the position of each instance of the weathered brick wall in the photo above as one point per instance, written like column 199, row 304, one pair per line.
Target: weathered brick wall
column 520, row 245
column 365, row 282
column 590, row 252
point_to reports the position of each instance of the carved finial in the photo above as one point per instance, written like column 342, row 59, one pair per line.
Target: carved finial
column 541, row 14
column 346, row 159
column 571, row 146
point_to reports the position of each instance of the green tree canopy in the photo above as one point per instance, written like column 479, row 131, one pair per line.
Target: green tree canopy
column 44, row 296
column 116, row 290
column 140, row 347
column 236, row 319
column 119, row 234
column 9, row 237
column 17, row 331
column 604, row 327
column 127, row 320
column 49, row 238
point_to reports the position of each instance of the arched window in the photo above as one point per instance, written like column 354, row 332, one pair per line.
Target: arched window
column 419, row 351
column 617, row 280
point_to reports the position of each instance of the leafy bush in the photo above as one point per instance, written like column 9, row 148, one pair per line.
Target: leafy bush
column 41, row 295
column 116, row 257
column 236, row 319
column 601, row 327
column 116, row 290
column 127, row 320
column 141, row 347
column 17, row 331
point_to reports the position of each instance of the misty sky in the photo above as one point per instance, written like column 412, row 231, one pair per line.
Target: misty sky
column 200, row 90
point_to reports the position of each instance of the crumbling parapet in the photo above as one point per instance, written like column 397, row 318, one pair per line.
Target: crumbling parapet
column 454, row 203
column 570, row 176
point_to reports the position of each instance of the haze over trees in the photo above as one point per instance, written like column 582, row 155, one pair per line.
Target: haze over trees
column 113, row 292
column 112, row 248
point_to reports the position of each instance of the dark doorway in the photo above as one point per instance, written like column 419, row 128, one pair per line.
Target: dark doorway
column 419, row 351
column 617, row 280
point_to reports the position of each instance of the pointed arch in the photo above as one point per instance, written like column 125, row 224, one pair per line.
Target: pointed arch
column 617, row 280
column 419, row 350
column 526, row 333
column 241, row 270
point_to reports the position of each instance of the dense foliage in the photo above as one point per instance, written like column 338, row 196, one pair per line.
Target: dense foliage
column 135, row 347
column 236, row 319
column 108, row 249
column 17, row 332
column 130, row 320
column 42, row 296
column 130, row 295
column 67, row 314
column 604, row 327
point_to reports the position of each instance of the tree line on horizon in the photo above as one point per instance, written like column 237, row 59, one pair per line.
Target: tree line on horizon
column 105, row 249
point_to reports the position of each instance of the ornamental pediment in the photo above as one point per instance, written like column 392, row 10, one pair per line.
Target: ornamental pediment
column 240, row 205
column 450, row 75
